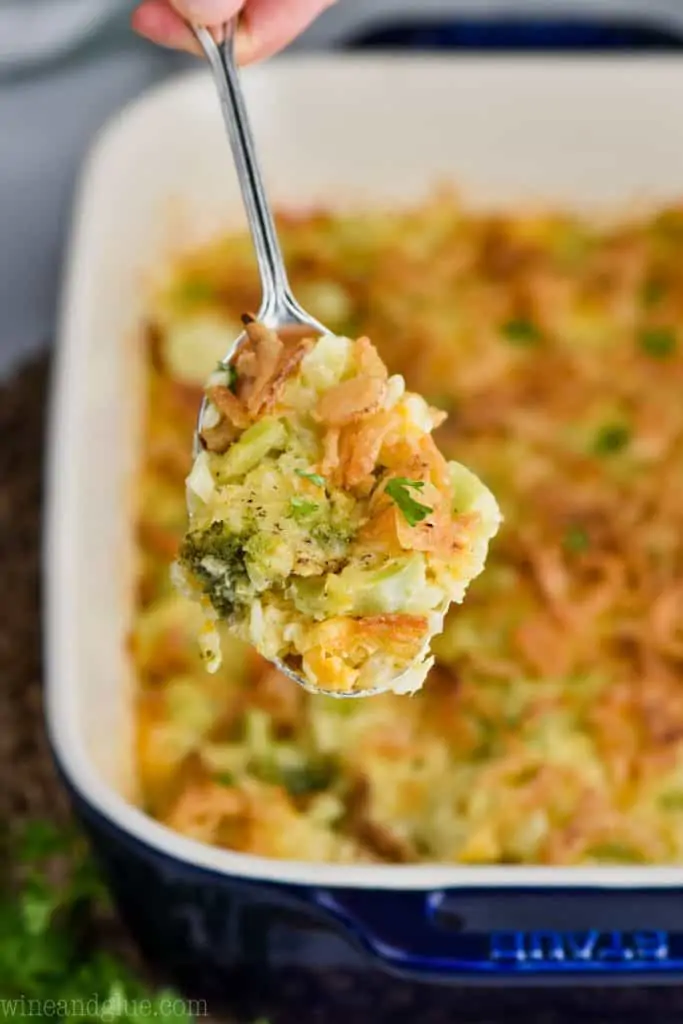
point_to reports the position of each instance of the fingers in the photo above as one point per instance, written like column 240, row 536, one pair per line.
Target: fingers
column 156, row 20
column 164, row 22
column 267, row 26
column 207, row 12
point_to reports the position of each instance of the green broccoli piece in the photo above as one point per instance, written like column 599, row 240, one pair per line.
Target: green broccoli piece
column 316, row 776
column 334, row 538
column 216, row 558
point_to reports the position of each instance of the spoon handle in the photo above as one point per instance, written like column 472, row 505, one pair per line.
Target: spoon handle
column 277, row 298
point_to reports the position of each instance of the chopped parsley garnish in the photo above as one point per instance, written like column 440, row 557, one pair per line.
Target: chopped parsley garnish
column 398, row 490
column 576, row 541
column 521, row 332
column 611, row 438
column 232, row 378
column 231, row 374
column 658, row 342
column 302, row 508
column 315, row 478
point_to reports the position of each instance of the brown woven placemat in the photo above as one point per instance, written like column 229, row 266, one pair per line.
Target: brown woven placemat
column 29, row 787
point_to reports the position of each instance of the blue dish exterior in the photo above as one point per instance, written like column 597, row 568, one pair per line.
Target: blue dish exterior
column 277, row 949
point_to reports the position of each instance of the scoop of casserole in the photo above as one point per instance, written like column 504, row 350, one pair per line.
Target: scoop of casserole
column 326, row 528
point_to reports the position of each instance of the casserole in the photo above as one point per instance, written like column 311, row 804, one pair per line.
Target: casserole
column 225, row 923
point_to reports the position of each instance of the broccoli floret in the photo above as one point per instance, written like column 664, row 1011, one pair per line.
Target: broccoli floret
column 334, row 538
column 216, row 559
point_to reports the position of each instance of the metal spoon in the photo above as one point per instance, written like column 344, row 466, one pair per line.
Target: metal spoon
column 279, row 309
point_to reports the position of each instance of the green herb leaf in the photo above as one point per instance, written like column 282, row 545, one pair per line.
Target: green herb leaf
column 302, row 508
column 658, row 342
column 41, row 839
column 315, row 478
column 521, row 332
column 86, row 882
column 231, row 373
column 38, row 903
column 576, row 541
column 611, row 438
column 44, row 921
column 398, row 491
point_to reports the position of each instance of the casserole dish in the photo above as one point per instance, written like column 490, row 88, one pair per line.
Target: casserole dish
column 584, row 133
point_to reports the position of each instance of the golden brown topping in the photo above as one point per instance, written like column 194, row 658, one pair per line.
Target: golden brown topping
column 219, row 438
column 230, row 406
column 368, row 360
column 205, row 808
column 360, row 447
column 402, row 634
column 439, row 533
column 264, row 364
column 667, row 621
column 234, row 418
column 330, row 452
column 262, row 367
column 351, row 400
column 256, row 365
column 380, row 839
column 290, row 360
column 544, row 645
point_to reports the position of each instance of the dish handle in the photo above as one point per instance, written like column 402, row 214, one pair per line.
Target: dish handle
column 354, row 20
column 515, row 932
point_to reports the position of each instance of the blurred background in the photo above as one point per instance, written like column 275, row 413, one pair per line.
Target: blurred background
column 67, row 65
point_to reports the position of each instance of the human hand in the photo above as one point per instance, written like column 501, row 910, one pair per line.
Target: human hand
column 264, row 26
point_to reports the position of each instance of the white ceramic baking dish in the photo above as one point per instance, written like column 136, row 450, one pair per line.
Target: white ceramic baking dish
column 332, row 130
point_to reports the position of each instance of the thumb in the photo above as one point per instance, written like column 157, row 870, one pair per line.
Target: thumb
column 267, row 26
